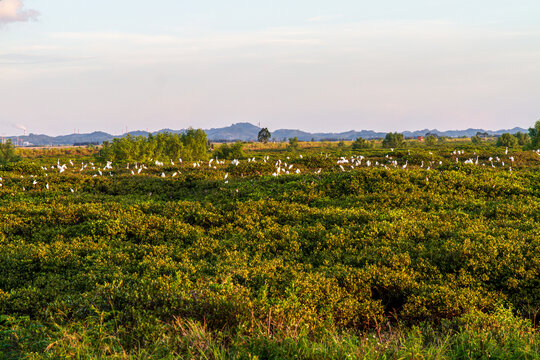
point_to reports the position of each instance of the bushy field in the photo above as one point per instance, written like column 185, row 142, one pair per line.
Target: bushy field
column 317, row 254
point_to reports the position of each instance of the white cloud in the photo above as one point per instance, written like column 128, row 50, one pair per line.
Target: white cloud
column 14, row 11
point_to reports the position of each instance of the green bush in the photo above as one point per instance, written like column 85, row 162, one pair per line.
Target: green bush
column 8, row 153
column 393, row 140
column 191, row 145
column 507, row 140
column 234, row 151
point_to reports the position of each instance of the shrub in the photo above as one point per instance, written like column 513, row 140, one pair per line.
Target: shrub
column 234, row 151
column 393, row 140
column 8, row 153
column 507, row 140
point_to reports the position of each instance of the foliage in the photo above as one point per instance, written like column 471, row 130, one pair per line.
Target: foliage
column 8, row 153
column 234, row 151
column 190, row 145
column 264, row 135
column 534, row 134
column 416, row 254
column 393, row 140
column 430, row 140
column 476, row 140
column 293, row 144
column 507, row 140
column 523, row 139
column 361, row 143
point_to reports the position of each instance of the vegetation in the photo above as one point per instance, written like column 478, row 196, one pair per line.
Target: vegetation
column 523, row 139
column 293, row 144
column 8, row 153
column 476, row 140
column 316, row 253
column 264, row 135
column 431, row 140
column 534, row 134
column 361, row 143
column 393, row 140
column 190, row 145
column 507, row 140
column 234, row 151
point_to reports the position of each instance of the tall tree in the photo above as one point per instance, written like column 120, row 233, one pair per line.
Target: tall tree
column 293, row 143
column 264, row 135
column 476, row 140
column 523, row 139
column 534, row 133
column 430, row 140
column 393, row 140
column 507, row 140
column 8, row 153
column 361, row 143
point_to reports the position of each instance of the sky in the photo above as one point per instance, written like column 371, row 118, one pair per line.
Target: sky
column 315, row 65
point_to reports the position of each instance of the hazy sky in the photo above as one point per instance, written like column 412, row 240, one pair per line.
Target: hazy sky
column 316, row 65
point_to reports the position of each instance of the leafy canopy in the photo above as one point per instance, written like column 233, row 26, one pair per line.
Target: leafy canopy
column 190, row 145
column 264, row 135
column 393, row 140
column 8, row 153
column 507, row 140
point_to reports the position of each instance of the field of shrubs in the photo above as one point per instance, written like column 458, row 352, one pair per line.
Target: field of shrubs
column 319, row 253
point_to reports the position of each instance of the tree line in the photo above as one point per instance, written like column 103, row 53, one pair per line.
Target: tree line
column 193, row 144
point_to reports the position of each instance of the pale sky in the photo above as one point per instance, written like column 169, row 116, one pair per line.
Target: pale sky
column 315, row 65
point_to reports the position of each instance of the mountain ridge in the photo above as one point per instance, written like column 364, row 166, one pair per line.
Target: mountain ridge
column 245, row 131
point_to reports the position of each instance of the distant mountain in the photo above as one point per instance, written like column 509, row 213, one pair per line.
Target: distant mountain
column 248, row 132
column 40, row 140
column 240, row 131
column 461, row 133
column 137, row 133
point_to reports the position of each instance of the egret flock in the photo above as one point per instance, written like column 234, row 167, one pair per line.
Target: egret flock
column 282, row 167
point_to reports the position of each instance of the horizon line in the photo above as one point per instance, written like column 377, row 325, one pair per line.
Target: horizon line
column 260, row 127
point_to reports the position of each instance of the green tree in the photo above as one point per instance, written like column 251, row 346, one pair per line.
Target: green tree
column 234, row 151
column 293, row 143
column 195, row 144
column 507, row 140
column 237, row 150
column 124, row 148
column 476, row 140
column 534, row 134
column 430, row 140
column 361, row 143
column 174, row 147
column 264, row 135
column 393, row 140
column 522, row 138
column 191, row 145
column 8, row 153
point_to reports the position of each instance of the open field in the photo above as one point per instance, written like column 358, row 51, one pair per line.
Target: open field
column 318, row 253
